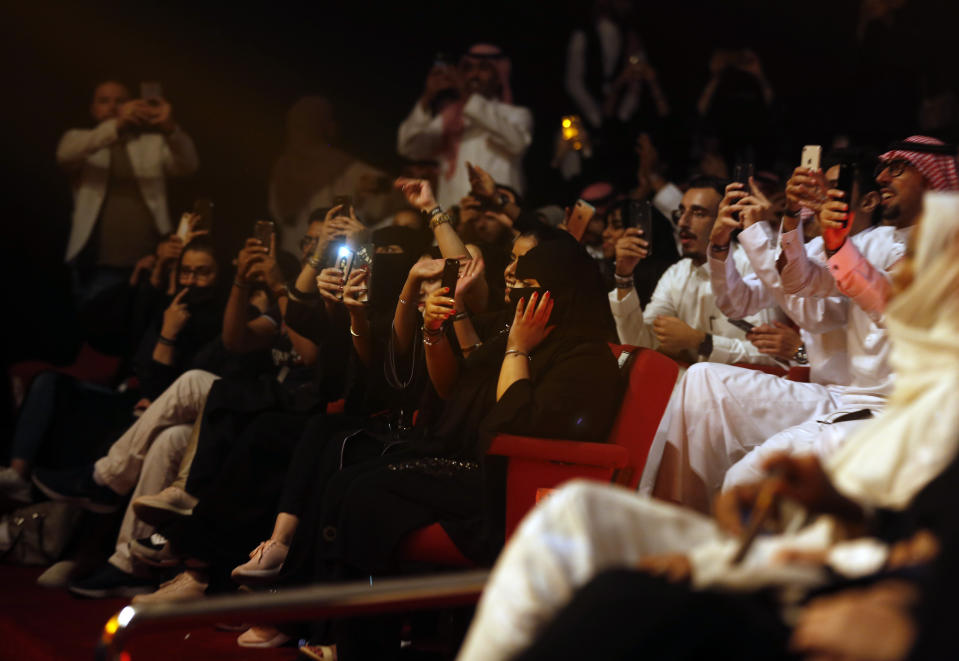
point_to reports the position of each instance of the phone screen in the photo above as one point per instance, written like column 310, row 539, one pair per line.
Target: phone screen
column 345, row 201
column 151, row 91
column 811, row 155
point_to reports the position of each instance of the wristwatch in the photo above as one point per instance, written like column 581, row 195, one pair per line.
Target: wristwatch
column 800, row 356
column 706, row 348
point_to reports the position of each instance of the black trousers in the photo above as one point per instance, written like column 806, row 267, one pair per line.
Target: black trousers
column 629, row 615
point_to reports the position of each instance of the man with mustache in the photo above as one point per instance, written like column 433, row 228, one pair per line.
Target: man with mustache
column 466, row 113
column 682, row 318
column 725, row 422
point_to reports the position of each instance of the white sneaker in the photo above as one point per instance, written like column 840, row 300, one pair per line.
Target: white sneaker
column 160, row 508
column 186, row 586
column 266, row 561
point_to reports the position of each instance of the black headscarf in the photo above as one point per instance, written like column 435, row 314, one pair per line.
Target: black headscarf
column 564, row 268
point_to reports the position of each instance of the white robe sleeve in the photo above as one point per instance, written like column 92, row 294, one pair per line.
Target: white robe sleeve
column 420, row 135
column 510, row 127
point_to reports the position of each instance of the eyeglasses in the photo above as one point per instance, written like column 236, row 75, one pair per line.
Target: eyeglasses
column 198, row 272
column 896, row 167
column 697, row 212
column 308, row 242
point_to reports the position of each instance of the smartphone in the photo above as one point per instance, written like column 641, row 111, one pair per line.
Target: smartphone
column 579, row 218
column 451, row 272
column 203, row 207
column 844, row 182
column 363, row 259
column 346, row 201
column 151, row 92
column 742, row 172
column 344, row 262
column 183, row 229
column 263, row 231
column 639, row 214
column 742, row 324
column 811, row 155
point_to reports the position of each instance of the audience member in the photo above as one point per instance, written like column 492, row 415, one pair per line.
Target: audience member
column 118, row 170
column 478, row 123
column 682, row 319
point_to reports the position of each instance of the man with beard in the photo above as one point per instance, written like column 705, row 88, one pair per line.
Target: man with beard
column 723, row 422
column 682, row 318
column 467, row 114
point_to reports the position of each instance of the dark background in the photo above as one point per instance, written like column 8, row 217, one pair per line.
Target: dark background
column 232, row 71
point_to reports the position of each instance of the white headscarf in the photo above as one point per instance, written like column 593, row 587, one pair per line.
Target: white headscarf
column 887, row 462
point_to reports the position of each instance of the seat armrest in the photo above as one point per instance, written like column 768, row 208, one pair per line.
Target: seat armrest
column 603, row 455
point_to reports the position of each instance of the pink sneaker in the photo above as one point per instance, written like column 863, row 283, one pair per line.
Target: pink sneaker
column 262, row 637
column 187, row 586
column 266, row 561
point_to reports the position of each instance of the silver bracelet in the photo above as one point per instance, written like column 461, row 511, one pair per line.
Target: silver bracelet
column 623, row 282
column 517, row 352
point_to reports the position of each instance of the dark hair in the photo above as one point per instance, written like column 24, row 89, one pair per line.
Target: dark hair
column 199, row 244
column 513, row 192
column 717, row 184
column 542, row 232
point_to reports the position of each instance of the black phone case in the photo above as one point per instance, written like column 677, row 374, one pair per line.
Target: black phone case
column 450, row 274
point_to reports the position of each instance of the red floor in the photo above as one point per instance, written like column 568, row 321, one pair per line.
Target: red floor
column 38, row 624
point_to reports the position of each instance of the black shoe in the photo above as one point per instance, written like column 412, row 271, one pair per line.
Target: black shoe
column 76, row 485
column 109, row 581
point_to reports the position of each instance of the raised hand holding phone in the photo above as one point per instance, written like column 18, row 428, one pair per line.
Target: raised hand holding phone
column 836, row 215
column 418, row 193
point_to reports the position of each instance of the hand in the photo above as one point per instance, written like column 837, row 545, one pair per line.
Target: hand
column 355, row 288
column 676, row 336
column 631, row 248
column 330, row 284
column 439, row 307
column 161, row 115
column 805, row 188
column 529, row 323
column 835, row 219
column 481, row 183
column 352, row 227
column 251, row 253
column 798, row 478
column 192, row 220
column 418, row 193
column 438, row 79
column 920, row 549
column 267, row 270
column 758, row 206
column 750, row 63
column 470, row 210
column 473, row 270
column 168, row 251
column 425, row 269
column 175, row 316
column 873, row 623
column 133, row 114
column 727, row 219
column 145, row 263
column 778, row 340
column 675, row 567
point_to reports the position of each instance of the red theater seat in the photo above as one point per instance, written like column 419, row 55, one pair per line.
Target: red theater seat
column 537, row 465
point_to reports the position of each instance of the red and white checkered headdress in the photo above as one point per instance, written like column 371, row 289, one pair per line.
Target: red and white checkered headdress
column 933, row 158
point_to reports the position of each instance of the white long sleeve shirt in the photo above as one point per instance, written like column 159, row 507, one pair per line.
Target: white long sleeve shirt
column 821, row 321
column 85, row 154
column 495, row 137
column 685, row 291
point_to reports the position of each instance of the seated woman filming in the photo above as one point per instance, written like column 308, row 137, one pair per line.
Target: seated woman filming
column 542, row 368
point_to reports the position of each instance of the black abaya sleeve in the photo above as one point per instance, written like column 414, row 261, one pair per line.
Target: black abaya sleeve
column 573, row 394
